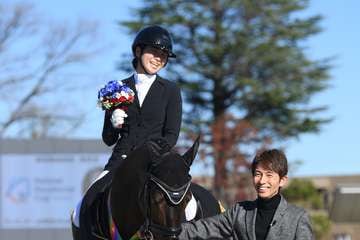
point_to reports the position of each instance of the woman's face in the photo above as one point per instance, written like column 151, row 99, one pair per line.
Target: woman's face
column 152, row 59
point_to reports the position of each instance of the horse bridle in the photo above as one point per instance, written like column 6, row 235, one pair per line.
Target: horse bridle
column 173, row 195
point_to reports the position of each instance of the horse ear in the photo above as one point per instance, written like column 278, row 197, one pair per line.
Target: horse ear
column 190, row 155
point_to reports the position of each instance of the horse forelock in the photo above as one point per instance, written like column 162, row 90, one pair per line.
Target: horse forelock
column 172, row 169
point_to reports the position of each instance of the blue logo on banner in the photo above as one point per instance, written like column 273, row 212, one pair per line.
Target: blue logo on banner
column 18, row 190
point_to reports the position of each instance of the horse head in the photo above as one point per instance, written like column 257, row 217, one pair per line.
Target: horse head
column 167, row 192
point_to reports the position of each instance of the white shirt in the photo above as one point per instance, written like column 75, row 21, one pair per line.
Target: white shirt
column 143, row 83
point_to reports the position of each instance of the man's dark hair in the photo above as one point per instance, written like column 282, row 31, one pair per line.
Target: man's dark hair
column 273, row 159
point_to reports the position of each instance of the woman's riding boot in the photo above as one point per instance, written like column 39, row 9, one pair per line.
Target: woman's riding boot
column 75, row 231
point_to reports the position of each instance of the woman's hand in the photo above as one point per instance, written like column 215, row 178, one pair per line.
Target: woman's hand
column 118, row 118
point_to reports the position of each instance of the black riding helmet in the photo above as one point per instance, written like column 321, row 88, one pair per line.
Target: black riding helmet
column 156, row 37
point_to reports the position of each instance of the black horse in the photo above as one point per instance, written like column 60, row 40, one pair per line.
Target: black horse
column 147, row 197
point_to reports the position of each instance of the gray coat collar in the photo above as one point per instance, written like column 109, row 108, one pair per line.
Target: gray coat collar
column 250, row 219
column 277, row 219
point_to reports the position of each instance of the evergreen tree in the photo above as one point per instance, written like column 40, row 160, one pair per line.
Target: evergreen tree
column 244, row 72
column 303, row 193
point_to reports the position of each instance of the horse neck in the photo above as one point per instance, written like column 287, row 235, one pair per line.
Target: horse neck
column 130, row 177
column 128, row 182
column 135, row 167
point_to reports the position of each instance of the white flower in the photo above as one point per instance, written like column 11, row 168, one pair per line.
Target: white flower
column 117, row 95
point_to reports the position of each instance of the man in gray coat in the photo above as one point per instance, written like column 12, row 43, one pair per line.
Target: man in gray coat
column 269, row 217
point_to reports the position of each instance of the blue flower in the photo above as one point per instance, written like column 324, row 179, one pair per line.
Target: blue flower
column 107, row 95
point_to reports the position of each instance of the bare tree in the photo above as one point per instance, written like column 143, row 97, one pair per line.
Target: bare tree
column 40, row 64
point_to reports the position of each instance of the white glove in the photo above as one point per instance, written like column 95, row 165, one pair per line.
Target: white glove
column 118, row 117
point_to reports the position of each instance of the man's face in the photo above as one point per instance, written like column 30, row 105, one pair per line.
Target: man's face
column 267, row 182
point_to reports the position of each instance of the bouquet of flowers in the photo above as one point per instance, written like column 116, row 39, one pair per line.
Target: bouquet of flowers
column 115, row 95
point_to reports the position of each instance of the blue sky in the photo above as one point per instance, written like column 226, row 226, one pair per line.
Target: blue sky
column 332, row 152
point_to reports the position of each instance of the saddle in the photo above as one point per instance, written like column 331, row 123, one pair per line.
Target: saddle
column 194, row 210
column 206, row 204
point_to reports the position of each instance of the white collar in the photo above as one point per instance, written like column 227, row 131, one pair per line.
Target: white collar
column 141, row 78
